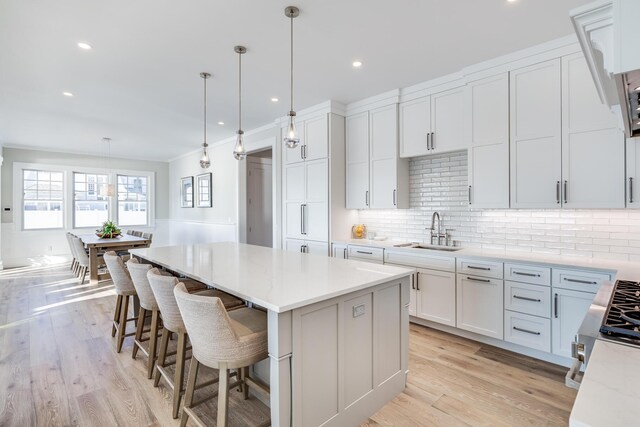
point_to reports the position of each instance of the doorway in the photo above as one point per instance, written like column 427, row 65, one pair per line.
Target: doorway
column 259, row 198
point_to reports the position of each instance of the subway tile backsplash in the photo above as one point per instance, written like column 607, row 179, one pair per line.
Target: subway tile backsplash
column 439, row 183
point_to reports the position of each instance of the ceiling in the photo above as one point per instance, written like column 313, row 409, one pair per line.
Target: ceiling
column 140, row 83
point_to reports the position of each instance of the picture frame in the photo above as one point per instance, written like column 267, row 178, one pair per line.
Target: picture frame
column 186, row 192
column 204, row 190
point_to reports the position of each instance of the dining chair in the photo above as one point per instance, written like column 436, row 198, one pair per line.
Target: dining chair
column 137, row 233
column 81, row 257
column 124, row 291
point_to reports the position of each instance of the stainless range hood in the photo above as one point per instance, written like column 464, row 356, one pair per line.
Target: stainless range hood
column 609, row 32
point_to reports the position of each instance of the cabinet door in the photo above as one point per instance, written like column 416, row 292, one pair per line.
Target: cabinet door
column 535, row 146
column 316, row 138
column 357, row 129
column 568, row 311
column 293, row 245
column 339, row 251
column 317, row 248
column 436, row 293
column 294, row 199
column 413, row 296
column 479, row 306
column 487, row 127
column 293, row 155
column 384, row 157
column 633, row 173
column 447, row 114
column 415, row 124
column 592, row 145
column 316, row 206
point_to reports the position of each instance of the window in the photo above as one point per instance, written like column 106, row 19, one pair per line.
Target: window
column 90, row 202
column 132, row 200
column 42, row 199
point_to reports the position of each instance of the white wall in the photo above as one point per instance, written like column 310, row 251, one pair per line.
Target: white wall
column 439, row 183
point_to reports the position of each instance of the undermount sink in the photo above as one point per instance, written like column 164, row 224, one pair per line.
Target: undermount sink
column 437, row 248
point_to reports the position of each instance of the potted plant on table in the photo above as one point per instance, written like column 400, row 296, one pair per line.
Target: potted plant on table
column 109, row 230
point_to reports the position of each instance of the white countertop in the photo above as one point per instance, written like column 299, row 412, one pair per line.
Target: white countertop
column 274, row 279
column 610, row 389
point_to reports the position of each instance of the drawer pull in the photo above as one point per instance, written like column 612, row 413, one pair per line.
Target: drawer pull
column 586, row 282
column 365, row 252
column 527, row 298
column 519, row 273
column 473, row 279
column 526, row 331
column 473, row 267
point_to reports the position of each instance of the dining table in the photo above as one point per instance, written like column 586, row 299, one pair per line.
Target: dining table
column 96, row 245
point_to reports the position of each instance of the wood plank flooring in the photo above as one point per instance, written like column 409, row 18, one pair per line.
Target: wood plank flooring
column 58, row 367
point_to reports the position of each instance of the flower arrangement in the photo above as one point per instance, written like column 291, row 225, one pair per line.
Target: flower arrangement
column 109, row 230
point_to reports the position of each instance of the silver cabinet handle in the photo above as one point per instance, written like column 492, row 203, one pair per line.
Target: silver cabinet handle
column 469, row 194
column 303, row 224
column 366, row 197
column 365, row 252
column 526, row 331
column 565, row 191
column 417, row 281
column 555, row 306
column 345, row 253
column 473, row 267
column 433, row 137
column 630, row 190
column 302, row 248
column 428, row 140
column 557, row 191
column 519, row 273
column 394, row 198
column 527, row 298
column 473, row 279
column 586, row 282
column 302, row 152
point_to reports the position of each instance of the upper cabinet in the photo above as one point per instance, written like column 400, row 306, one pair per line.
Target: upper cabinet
column 487, row 134
column 314, row 141
column 376, row 177
column 432, row 124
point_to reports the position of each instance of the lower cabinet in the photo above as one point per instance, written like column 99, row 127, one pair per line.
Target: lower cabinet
column 435, row 296
column 307, row 247
column 526, row 330
column 480, row 305
column 569, row 309
column 339, row 251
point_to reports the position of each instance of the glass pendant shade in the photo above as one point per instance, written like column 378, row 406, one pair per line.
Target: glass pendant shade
column 205, row 162
column 111, row 190
column 291, row 138
column 238, row 151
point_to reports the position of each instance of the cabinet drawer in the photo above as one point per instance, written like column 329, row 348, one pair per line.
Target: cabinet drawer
column 584, row 281
column 418, row 260
column 528, row 331
column 527, row 274
column 480, row 268
column 366, row 253
column 527, row 298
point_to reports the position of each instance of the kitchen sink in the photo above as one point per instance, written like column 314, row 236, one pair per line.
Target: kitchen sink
column 437, row 248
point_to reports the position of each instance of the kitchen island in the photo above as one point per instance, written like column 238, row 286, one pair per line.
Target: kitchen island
column 338, row 329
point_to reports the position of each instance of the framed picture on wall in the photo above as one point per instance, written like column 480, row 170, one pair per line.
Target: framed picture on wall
column 186, row 192
column 203, row 188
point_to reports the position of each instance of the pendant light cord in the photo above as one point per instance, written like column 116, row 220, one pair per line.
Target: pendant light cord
column 291, row 15
column 239, row 91
column 205, row 111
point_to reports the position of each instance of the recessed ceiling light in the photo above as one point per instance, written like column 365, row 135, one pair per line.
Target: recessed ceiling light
column 274, row 99
column 85, row 46
column 511, row 1
column 69, row 94
column 221, row 123
column 357, row 64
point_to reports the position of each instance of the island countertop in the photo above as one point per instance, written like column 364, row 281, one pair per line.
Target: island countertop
column 272, row 278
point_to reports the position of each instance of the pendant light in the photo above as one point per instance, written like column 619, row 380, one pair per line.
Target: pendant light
column 238, row 152
column 291, row 137
column 205, row 162
column 109, row 189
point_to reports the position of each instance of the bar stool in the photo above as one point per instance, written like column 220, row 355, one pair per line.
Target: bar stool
column 222, row 340
column 162, row 287
column 124, row 290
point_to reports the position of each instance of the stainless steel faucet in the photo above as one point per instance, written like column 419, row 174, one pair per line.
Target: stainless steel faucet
column 436, row 233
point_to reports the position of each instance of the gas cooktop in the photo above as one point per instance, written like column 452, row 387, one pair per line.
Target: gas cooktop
column 622, row 319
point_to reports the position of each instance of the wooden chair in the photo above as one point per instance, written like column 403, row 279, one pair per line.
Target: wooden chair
column 221, row 340
column 82, row 259
column 162, row 287
column 124, row 290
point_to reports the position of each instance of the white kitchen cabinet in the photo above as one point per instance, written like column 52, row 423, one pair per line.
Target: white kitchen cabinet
column 633, row 172
column 436, row 296
column 487, row 133
column 568, row 311
column 536, row 133
column 413, row 295
column 432, row 124
column 306, row 200
column 528, row 331
column 592, row 145
column 314, row 141
column 306, row 246
column 339, row 250
column 479, row 305
column 376, row 177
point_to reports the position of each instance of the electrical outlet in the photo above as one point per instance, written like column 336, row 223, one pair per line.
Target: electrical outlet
column 359, row 310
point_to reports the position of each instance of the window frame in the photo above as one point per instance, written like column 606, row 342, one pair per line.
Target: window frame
column 73, row 198
column 42, row 168
column 116, row 201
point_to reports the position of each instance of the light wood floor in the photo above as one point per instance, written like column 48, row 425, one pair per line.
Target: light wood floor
column 58, row 367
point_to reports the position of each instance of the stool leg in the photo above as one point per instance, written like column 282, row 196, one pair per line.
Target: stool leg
column 245, row 390
column 223, row 394
column 122, row 328
column 164, row 342
column 141, row 314
column 116, row 315
column 153, row 340
column 179, row 375
column 191, row 386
